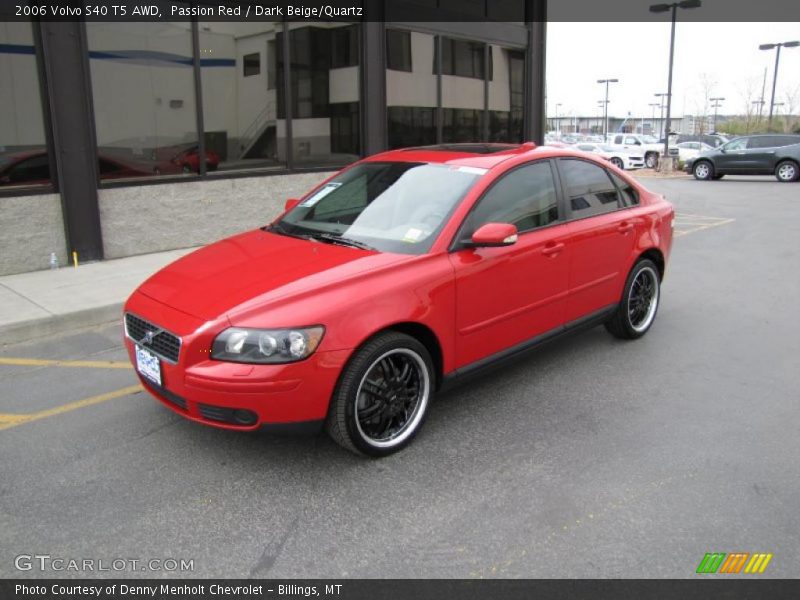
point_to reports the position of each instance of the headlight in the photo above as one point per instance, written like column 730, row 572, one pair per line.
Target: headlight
column 270, row 346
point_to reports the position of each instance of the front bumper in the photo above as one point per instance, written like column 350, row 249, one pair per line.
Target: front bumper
column 211, row 391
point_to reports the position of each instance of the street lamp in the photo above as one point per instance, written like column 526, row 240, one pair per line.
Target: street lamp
column 661, row 99
column 716, row 105
column 605, row 113
column 780, row 45
column 653, row 105
column 601, row 105
column 660, row 8
column 558, row 123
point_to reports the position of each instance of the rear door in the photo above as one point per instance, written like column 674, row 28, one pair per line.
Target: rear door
column 511, row 294
column 601, row 237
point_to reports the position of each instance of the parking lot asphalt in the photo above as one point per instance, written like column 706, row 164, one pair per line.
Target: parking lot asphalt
column 592, row 457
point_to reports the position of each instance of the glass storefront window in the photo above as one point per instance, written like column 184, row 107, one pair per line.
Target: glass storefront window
column 325, row 93
column 410, row 89
column 144, row 99
column 23, row 149
column 238, row 74
column 506, row 95
column 463, row 95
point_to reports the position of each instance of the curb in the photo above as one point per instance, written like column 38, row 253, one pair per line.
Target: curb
column 38, row 328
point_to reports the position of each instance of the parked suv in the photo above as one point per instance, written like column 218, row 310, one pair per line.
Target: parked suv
column 753, row 155
column 638, row 144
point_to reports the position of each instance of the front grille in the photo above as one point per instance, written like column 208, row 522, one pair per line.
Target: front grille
column 167, row 345
column 167, row 395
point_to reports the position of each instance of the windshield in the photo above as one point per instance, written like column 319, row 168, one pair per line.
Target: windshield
column 391, row 207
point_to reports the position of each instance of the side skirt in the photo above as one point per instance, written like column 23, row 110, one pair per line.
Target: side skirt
column 509, row 355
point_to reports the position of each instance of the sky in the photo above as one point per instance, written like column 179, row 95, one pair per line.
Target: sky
column 721, row 57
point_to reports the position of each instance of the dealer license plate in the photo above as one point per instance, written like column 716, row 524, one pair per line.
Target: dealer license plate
column 148, row 365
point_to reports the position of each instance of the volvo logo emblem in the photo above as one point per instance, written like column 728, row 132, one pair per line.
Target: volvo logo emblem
column 148, row 337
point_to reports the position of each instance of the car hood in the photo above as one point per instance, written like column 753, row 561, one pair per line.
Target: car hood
column 256, row 265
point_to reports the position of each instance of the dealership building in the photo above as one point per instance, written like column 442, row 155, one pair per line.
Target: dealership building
column 124, row 138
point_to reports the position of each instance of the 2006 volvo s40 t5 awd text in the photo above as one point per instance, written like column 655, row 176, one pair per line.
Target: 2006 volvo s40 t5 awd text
column 394, row 278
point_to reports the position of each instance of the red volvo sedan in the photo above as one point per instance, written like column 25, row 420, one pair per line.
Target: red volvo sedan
column 398, row 276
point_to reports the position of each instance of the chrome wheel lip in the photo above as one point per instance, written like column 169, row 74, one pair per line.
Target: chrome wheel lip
column 786, row 172
column 648, row 317
column 414, row 420
column 702, row 170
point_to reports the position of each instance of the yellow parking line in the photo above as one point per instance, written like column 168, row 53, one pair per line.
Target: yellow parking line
column 91, row 364
column 8, row 421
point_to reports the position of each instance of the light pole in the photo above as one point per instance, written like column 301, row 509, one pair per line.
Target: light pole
column 653, row 105
column 716, row 105
column 601, row 105
column 558, row 123
column 661, row 98
column 605, row 112
column 780, row 45
column 659, row 8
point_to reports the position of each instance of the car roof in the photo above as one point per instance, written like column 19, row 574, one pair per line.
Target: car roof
column 483, row 156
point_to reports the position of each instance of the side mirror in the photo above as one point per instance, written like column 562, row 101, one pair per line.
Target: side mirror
column 494, row 234
column 290, row 204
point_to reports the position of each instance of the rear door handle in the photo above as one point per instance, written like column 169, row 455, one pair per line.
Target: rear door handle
column 625, row 227
column 552, row 249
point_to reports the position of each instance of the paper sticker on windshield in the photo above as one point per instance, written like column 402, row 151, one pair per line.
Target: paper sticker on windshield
column 473, row 170
column 412, row 235
column 321, row 193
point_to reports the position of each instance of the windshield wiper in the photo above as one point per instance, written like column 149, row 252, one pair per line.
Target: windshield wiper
column 342, row 241
column 279, row 229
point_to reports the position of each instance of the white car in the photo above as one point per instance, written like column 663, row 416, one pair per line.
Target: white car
column 687, row 150
column 640, row 144
column 621, row 158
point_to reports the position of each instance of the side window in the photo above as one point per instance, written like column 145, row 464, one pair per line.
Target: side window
column 739, row 144
column 631, row 140
column 525, row 197
column 630, row 197
column 589, row 188
column 618, row 139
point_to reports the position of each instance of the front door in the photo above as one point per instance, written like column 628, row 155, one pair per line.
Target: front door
column 511, row 294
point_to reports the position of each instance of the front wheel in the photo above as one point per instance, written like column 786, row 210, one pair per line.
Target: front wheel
column 617, row 162
column 651, row 160
column 702, row 170
column 382, row 396
column 787, row 171
column 637, row 310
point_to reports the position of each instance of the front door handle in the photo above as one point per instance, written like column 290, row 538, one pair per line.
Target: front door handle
column 625, row 227
column 552, row 249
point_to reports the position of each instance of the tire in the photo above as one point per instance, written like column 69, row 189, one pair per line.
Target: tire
column 637, row 309
column 382, row 397
column 703, row 170
column 651, row 160
column 786, row 171
column 617, row 162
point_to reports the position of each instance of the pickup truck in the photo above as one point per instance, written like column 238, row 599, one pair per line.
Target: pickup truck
column 634, row 141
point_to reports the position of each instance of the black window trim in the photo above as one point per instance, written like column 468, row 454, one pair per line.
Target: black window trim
column 456, row 244
column 568, row 208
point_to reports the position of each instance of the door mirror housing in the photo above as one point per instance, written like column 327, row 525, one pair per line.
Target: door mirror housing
column 290, row 204
column 494, row 234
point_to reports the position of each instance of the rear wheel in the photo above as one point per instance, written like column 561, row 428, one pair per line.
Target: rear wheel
column 637, row 310
column 382, row 397
column 702, row 170
column 786, row 171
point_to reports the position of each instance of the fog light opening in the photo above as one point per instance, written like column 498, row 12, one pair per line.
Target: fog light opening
column 245, row 417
